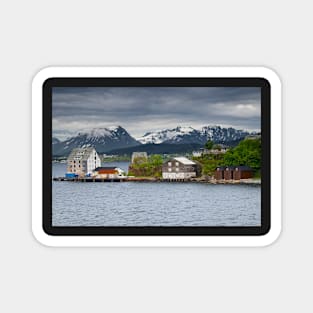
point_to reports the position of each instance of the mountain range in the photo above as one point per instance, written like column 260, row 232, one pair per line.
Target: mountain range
column 103, row 139
column 184, row 135
column 117, row 140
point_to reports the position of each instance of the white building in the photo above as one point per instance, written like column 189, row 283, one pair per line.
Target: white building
column 82, row 161
column 180, row 168
column 108, row 172
column 201, row 152
column 197, row 153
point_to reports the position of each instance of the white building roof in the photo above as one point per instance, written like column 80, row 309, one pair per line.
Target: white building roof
column 184, row 161
column 80, row 153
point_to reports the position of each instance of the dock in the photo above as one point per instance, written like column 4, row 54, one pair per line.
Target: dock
column 89, row 179
column 154, row 179
column 104, row 180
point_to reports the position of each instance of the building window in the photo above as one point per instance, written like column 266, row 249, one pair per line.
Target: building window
column 177, row 169
column 177, row 164
column 169, row 169
column 169, row 163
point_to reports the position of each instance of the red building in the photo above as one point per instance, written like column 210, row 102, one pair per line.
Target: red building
column 233, row 172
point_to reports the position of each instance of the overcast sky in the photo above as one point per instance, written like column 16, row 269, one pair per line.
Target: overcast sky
column 143, row 109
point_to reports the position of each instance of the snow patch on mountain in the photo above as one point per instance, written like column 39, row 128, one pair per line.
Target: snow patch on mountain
column 95, row 133
column 184, row 135
column 165, row 135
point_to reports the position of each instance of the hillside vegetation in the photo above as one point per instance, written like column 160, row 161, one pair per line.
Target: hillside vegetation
column 247, row 152
column 146, row 167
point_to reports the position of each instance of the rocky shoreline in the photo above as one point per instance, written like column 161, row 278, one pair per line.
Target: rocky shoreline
column 250, row 181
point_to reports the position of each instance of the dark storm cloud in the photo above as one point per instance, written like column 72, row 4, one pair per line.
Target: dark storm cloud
column 148, row 108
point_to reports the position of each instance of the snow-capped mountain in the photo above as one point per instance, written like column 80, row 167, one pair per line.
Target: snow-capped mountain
column 103, row 139
column 116, row 138
column 186, row 135
column 224, row 135
column 175, row 135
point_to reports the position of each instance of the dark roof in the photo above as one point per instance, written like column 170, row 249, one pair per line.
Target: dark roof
column 244, row 168
column 105, row 168
column 240, row 167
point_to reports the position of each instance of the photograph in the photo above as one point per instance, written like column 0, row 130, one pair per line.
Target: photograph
column 156, row 156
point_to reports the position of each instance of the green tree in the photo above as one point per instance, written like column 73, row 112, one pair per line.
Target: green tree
column 156, row 160
column 147, row 167
column 139, row 160
column 217, row 147
column 209, row 144
column 208, row 164
column 247, row 152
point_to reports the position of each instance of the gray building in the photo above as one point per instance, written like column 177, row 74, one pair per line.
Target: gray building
column 180, row 168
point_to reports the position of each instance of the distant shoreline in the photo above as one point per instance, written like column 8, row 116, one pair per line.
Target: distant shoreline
column 160, row 180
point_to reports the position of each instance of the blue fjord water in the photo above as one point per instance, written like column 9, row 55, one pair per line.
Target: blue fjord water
column 153, row 204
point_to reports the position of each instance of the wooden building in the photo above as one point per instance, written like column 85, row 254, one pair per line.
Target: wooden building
column 242, row 172
column 108, row 172
column 83, row 161
column 180, row 168
column 219, row 173
column 233, row 172
column 229, row 172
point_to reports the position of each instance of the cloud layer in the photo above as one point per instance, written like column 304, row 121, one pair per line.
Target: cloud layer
column 143, row 109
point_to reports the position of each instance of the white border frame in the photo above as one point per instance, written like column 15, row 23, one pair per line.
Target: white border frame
column 156, row 241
